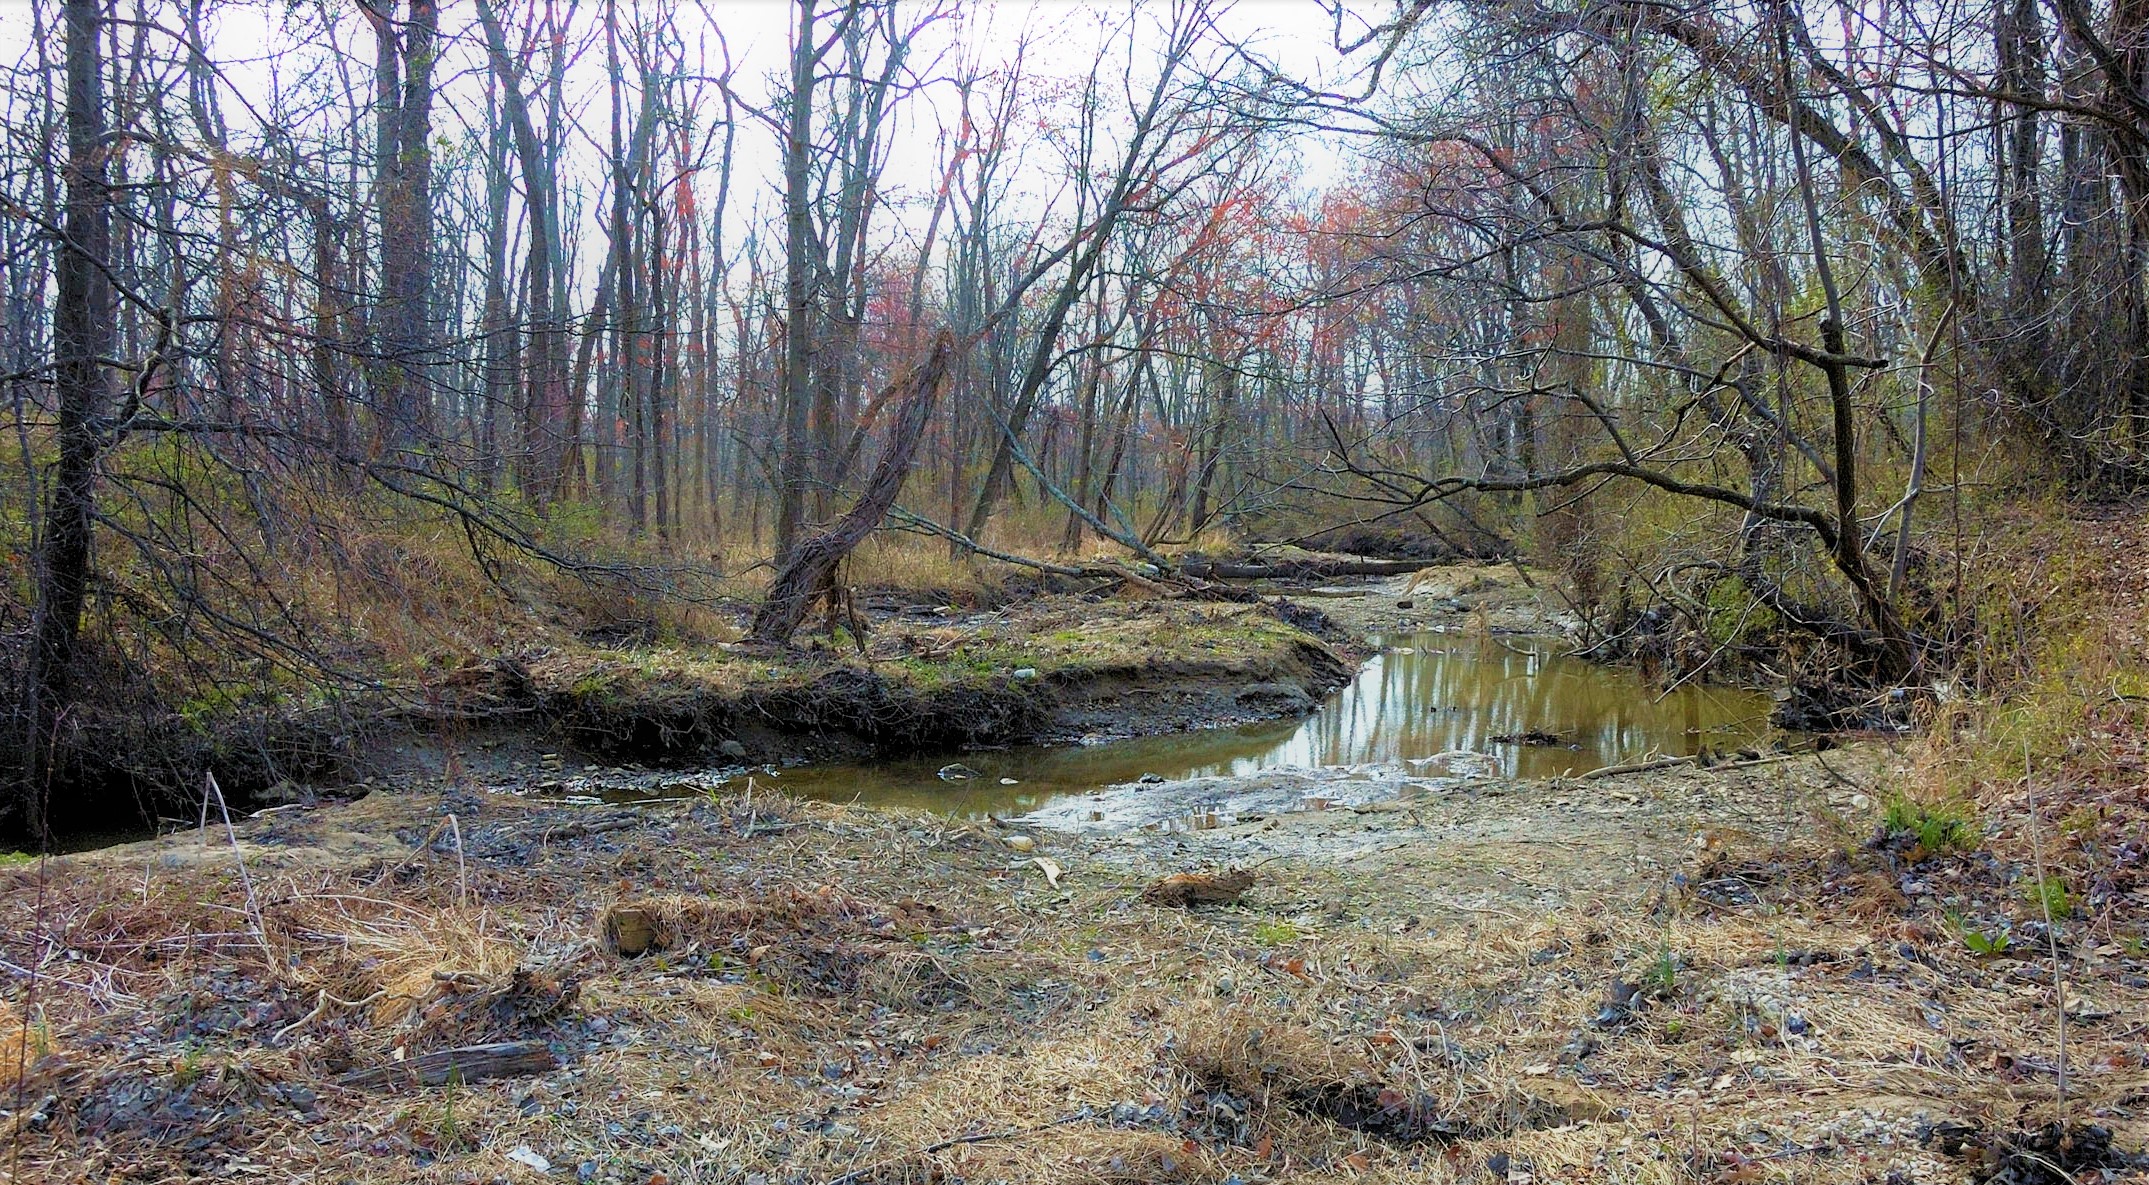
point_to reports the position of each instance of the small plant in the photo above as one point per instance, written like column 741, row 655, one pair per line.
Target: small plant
column 1934, row 827
column 1977, row 940
column 2049, row 896
column 449, row 1133
column 1662, row 977
column 1276, row 933
column 188, row 1069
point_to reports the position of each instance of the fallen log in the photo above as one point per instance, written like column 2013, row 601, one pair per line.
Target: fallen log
column 1208, row 569
column 470, row 1063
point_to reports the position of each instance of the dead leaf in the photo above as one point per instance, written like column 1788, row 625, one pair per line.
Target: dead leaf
column 1050, row 868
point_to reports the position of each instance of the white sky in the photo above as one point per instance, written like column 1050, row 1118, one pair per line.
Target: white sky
column 1065, row 39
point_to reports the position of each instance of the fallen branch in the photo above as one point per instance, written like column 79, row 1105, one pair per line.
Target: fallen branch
column 920, row 522
column 1671, row 762
column 1610, row 771
column 1300, row 569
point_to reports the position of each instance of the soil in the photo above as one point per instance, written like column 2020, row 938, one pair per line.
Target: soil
column 1746, row 973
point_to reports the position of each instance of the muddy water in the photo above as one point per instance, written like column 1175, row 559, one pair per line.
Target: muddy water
column 1427, row 704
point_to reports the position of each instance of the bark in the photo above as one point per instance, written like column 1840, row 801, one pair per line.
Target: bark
column 797, row 465
column 809, row 572
column 403, row 74
column 82, row 326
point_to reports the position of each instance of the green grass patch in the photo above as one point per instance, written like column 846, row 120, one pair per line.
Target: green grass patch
column 1937, row 827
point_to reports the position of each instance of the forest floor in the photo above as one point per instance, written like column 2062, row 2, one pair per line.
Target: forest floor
column 1815, row 968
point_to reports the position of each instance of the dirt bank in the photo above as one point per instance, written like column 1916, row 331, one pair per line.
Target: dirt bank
column 928, row 679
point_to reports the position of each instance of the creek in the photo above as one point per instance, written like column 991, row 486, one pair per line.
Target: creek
column 1428, row 705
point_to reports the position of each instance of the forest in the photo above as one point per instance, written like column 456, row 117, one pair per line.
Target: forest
column 916, row 590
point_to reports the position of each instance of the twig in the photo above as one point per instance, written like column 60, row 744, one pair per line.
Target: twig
column 462, row 865
column 320, row 1007
column 246, row 880
column 2044, row 900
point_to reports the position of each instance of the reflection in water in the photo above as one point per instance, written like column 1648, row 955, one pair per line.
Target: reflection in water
column 1424, row 694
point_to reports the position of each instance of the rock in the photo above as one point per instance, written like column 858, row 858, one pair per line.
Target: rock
column 1020, row 843
column 528, row 1157
column 1406, row 603
column 1151, row 779
column 1025, row 672
column 956, row 772
column 732, row 748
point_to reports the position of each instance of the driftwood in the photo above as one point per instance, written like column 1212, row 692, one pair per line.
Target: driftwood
column 1611, row 771
column 1300, row 569
column 504, row 1059
column 809, row 572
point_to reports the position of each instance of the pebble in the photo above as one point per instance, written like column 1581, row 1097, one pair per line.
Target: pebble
column 1020, row 843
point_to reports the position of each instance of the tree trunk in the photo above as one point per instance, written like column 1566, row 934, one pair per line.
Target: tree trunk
column 403, row 76
column 544, row 425
column 809, row 572
column 81, row 338
column 796, row 470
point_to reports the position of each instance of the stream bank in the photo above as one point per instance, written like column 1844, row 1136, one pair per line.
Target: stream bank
column 1670, row 975
column 931, row 678
column 1750, row 971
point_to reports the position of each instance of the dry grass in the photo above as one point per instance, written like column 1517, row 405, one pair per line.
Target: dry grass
column 860, row 996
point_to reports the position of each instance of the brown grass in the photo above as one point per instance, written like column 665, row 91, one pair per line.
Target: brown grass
column 867, row 996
